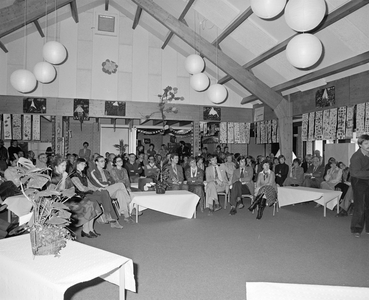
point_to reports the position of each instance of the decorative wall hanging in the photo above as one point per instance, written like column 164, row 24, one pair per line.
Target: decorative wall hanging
column 360, row 121
column 319, row 125
column 333, row 123
column 230, row 132
column 17, row 126
column 247, row 133
column 304, row 128
column 325, row 97
column 115, row 108
column 36, row 127
column 366, row 117
column 53, row 135
column 27, row 127
column 274, row 130
column 109, row 67
column 341, row 123
column 311, row 126
column 81, row 110
column 223, row 133
column 236, row 131
column 66, row 134
column 350, row 122
column 34, row 105
column 7, row 120
column 212, row 113
column 242, row 133
column 269, row 131
column 59, row 147
column 326, row 124
column 258, row 132
column 263, row 133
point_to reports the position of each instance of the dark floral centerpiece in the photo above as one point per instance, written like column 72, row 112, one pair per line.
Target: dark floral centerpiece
column 161, row 181
column 48, row 225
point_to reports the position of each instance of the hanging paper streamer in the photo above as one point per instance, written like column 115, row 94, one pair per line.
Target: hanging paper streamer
column 350, row 122
column 223, row 133
column 304, row 129
column 59, row 147
column 17, row 127
column 66, row 134
column 278, row 134
column 326, row 124
column 242, row 133
column 263, row 130
column 360, row 115
column 274, row 130
column 311, row 126
column 257, row 132
column 341, row 123
column 36, row 127
column 333, row 121
column 237, row 138
column 318, row 125
column 7, row 126
column 1, row 124
column 309, row 147
column 366, row 118
column 247, row 133
column 269, row 131
column 27, row 127
column 230, row 133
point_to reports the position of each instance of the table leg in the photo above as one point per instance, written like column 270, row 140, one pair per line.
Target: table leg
column 122, row 288
column 325, row 209
column 194, row 214
column 137, row 212
column 338, row 204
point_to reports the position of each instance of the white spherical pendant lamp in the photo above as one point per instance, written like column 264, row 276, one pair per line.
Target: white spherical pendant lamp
column 304, row 50
column 44, row 72
column 54, row 52
column 199, row 82
column 23, row 81
column 304, row 15
column 217, row 93
column 267, row 9
column 194, row 64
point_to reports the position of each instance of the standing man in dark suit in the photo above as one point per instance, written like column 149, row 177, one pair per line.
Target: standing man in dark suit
column 85, row 152
column 183, row 151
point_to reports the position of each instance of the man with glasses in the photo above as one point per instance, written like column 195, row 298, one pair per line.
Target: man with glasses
column 101, row 178
column 133, row 168
column 151, row 170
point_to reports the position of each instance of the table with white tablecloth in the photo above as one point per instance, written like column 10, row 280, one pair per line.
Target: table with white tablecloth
column 24, row 276
column 291, row 195
column 178, row 203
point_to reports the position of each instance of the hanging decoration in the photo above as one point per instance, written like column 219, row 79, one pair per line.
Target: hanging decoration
column 27, row 126
column 172, row 131
column 23, row 81
column 326, row 124
column 236, row 129
column 325, row 97
column 44, row 72
column 350, row 122
column 81, row 110
column 341, row 123
column 223, row 133
column 217, row 93
column 267, row 9
column 333, row 123
column 54, row 53
column 366, row 130
column 258, row 132
column 360, row 119
column 269, row 130
column 230, row 132
column 194, row 64
column 319, row 125
column 36, row 127
column 199, row 82
column 247, row 133
column 304, row 50
column 275, row 130
column 17, row 126
column 7, row 121
column 212, row 113
column 109, row 67
column 115, row 108
column 304, row 128
column 304, row 15
column 242, row 133
column 311, row 126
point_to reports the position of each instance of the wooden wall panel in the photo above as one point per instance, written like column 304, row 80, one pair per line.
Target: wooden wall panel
column 359, row 88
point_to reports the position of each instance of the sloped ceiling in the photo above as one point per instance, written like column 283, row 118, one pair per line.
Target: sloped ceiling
column 342, row 40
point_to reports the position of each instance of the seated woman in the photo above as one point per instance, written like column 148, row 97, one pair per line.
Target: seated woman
column 176, row 178
column 333, row 177
column 151, row 170
column 281, row 171
column 195, row 181
column 119, row 173
column 266, row 190
column 296, row 174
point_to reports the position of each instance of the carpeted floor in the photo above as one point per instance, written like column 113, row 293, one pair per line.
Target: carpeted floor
column 212, row 257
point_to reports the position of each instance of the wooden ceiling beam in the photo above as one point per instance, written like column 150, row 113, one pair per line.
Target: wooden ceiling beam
column 2, row 46
column 106, row 5
column 324, row 72
column 156, row 122
column 225, row 63
column 74, row 10
column 231, row 27
column 137, row 17
column 181, row 18
column 39, row 29
column 333, row 17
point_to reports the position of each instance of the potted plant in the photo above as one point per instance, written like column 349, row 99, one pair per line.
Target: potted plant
column 161, row 182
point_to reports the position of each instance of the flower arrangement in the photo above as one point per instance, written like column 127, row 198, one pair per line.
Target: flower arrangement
column 121, row 147
column 50, row 215
column 161, row 181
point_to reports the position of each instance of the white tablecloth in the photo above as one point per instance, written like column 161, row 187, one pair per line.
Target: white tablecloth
column 47, row 277
column 291, row 195
column 288, row 291
column 177, row 203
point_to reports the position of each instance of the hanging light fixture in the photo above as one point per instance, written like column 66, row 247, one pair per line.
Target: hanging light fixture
column 44, row 72
column 217, row 93
column 199, row 82
column 194, row 64
column 267, row 9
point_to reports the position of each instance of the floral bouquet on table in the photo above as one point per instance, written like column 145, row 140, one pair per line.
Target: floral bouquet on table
column 161, row 181
column 50, row 215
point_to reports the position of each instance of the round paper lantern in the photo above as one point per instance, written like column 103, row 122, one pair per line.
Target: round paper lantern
column 23, row 81
column 217, row 93
column 304, row 15
column 199, row 82
column 304, row 50
column 194, row 64
column 267, row 9
column 54, row 52
column 44, row 72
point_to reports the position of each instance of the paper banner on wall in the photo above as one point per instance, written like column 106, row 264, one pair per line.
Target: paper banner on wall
column 350, row 122
column 17, row 126
column 27, row 127
column 318, row 125
column 269, row 131
column 278, row 133
column 59, row 146
column 242, row 133
column 304, row 128
column 230, row 132
column 258, row 132
column 333, row 121
column 360, row 122
column 341, row 123
column 311, row 126
column 223, row 133
column 366, row 117
column 1, row 125
column 36, row 127
column 263, row 132
column 247, row 133
column 309, row 147
column 326, row 124
column 274, row 130
column 237, row 139
column 7, row 122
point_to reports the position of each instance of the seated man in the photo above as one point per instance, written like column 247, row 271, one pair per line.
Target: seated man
column 176, row 177
column 101, row 178
column 314, row 174
column 195, row 181
column 216, row 181
column 241, row 179
column 296, row 174
column 133, row 168
column 151, row 170
column 11, row 173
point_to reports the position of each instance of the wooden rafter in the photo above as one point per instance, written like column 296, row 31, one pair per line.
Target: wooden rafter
column 39, row 29
column 181, row 18
column 231, row 27
column 227, row 64
column 327, row 71
column 2, row 46
column 106, row 5
column 333, row 17
column 73, row 7
column 137, row 17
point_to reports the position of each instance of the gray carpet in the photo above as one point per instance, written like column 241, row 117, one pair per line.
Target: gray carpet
column 213, row 257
